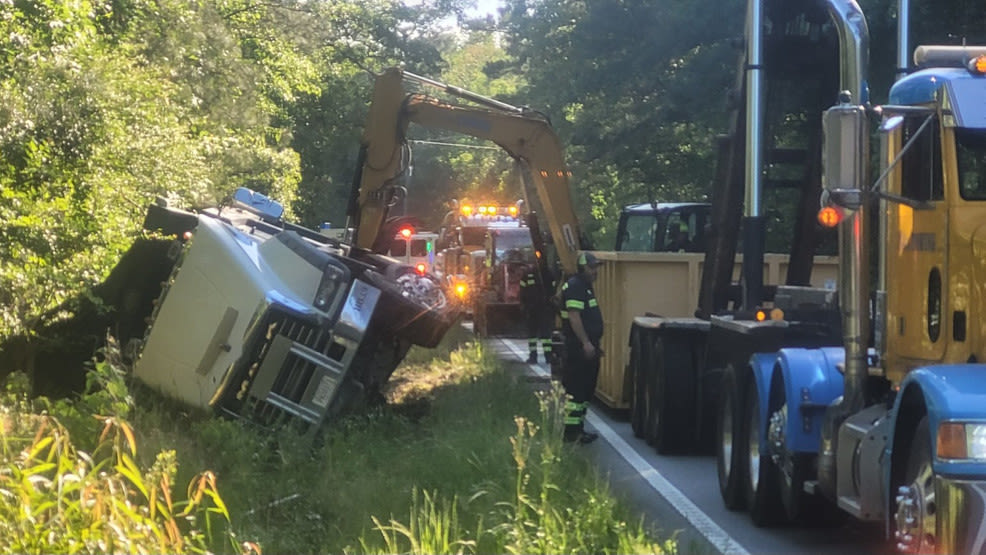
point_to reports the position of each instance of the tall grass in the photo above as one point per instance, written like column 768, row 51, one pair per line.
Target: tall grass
column 56, row 498
column 464, row 458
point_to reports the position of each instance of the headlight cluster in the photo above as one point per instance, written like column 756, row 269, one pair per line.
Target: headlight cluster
column 331, row 289
column 961, row 441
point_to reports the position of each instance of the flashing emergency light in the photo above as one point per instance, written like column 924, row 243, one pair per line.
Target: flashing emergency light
column 406, row 232
column 760, row 315
column 420, row 268
column 483, row 209
column 466, row 210
column 830, row 216
column 512, row 210
column 461, row 289
column 978, row 64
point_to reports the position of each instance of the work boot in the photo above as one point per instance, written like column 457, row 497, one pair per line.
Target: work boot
column 532, row 359
column 587, row 437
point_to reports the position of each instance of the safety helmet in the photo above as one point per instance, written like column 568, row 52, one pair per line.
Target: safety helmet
column 587, row 259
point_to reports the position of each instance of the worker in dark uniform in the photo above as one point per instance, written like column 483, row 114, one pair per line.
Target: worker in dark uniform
column 536, row 288
column 582, row 324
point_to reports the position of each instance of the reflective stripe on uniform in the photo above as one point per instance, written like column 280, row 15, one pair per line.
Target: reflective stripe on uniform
column 593, row 303
column 574, row 304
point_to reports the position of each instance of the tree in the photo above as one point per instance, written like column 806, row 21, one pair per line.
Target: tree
column 637, row 89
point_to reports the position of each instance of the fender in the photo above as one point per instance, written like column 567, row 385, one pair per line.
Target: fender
column 950, row 392
column 812, row 381
column 762, row 367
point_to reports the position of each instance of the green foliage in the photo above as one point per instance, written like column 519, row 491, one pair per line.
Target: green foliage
column 636, row 89
column 548, row 506
column 452, row 464
column 55, row 498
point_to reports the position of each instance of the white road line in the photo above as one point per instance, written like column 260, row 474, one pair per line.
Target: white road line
column 698, row 519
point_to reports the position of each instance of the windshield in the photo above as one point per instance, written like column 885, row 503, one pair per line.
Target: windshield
column 472, row 235
column 970, row 147
column 515, row 238
column 639, row 232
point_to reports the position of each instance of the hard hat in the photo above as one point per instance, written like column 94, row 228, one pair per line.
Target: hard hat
column 588, row 259
column 683, row 226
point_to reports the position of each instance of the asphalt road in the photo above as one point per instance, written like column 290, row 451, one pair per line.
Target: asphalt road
column 680, row 495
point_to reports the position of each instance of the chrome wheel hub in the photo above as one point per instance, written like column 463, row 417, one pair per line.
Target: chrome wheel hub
column 916, row 515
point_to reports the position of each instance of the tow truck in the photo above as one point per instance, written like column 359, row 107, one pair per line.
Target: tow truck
column 278, row 324
column 490, row 246
column 864, row 400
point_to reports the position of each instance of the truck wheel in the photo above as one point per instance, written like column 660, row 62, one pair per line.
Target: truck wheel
column 638, row 399
column 408, row 317
column 671, row 393
column 730, row 432
column 915, row 517
column 760, row 483
column 479, row 322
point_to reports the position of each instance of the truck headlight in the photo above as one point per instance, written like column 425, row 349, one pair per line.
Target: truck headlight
column 330, row 289
column 961, row 441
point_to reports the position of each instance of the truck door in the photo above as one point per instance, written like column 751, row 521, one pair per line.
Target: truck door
column 917, row 247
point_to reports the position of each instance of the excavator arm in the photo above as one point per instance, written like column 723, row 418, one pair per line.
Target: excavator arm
column 525, row 135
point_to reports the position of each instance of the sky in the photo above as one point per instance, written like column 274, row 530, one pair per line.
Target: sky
column 484, row 7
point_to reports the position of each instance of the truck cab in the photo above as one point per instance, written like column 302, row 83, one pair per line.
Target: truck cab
column 663, row 227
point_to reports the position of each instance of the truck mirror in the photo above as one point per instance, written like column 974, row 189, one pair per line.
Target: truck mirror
column 845, row 132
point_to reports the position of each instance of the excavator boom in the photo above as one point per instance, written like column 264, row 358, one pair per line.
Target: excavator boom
column 525, row 135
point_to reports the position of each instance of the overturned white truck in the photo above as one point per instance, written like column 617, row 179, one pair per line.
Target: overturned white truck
column 275, row 323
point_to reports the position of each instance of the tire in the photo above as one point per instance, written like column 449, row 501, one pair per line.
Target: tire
column 671, row 394
column 405, row 318
column 638, row 383
column 731, row 465
column 760, row 480
column 915, row 518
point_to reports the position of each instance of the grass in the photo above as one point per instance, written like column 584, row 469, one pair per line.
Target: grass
column 464, row 458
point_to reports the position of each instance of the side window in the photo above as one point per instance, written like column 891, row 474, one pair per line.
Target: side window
column 398, row 248
column 419, row 247
column 921, row 168
column 639, row 233
column 680, row 232
column 971, row 153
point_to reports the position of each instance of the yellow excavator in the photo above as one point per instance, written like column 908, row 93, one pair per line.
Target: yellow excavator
column 276, row 323
column 526, row 135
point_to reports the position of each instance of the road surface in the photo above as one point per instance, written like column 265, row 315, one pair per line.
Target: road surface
column 680, row 494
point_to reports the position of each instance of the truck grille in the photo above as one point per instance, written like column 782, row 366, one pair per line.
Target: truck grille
column 293, row 375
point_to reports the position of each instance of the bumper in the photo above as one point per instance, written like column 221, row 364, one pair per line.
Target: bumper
column 961, row 515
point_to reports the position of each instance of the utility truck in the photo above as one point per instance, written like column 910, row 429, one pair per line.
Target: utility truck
column 278, row 324
column 865, row 401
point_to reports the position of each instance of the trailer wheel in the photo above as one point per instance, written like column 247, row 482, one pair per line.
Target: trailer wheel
column 760, row 483
column 915, row 517
column 671, row 393
column 639, row 409
column 730, row 433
